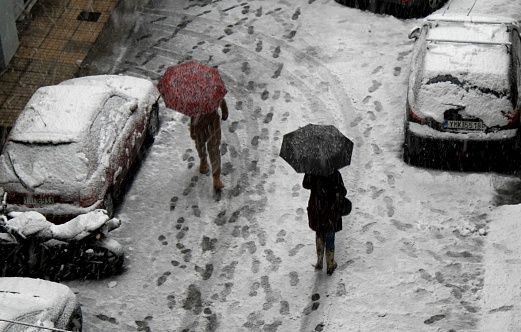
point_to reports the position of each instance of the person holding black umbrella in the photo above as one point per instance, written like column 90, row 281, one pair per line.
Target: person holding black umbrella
column 323, row 214
column 319, row 151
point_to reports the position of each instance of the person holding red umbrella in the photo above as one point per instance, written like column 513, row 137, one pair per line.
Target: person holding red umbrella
column 198, row 91
column 205, row 130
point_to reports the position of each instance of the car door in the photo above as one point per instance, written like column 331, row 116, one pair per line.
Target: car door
column 516, row 70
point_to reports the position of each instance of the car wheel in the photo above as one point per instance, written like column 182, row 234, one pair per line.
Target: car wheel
column 408, row 154
column 105, row 261
column 108, row 203
column 373, row 6
column 153, row 125
column 76, row 321
column 362, row 4
column 349, row 3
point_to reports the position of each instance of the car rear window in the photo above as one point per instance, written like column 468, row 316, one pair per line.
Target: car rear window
column 474, row 79
column 36, row 164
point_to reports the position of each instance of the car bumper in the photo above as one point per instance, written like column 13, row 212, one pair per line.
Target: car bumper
column 479, row 151
column 406, row 4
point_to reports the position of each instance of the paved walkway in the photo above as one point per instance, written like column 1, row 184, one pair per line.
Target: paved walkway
column 54, row 41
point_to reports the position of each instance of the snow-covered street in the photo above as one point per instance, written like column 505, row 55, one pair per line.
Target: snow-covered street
column 421, row 248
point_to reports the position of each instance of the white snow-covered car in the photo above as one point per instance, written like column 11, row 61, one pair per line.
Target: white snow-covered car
column 26, row 303
column 463, row 93
column 72, row 147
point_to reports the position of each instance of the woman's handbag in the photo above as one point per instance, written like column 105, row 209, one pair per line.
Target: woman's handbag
column 344, row 206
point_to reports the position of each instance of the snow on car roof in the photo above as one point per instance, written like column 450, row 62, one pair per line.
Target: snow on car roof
column 59, row 114
column 139, row 88
column 470, row 32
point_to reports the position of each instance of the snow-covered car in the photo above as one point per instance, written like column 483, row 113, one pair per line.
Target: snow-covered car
column 27, row 302
column 404, row 8
column 463, row 93
column 72, row 147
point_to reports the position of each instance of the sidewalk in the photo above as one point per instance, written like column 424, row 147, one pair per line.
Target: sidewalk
column 54, row 40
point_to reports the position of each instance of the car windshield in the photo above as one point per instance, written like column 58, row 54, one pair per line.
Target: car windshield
column 48, row 166
column 471, row 78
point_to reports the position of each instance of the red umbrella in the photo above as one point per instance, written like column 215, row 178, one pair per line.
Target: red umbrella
column 192, row 88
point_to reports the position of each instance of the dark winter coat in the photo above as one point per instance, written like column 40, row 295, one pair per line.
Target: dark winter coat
column 207, row 127
column 322, row 214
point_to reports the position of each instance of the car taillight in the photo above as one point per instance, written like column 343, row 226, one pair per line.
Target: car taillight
column 414, row 117
column 88, row 201
column 513, row 117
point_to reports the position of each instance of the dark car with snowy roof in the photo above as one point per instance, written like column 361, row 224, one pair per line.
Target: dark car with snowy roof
column 405, row 8
column 463, row 102
column 72, row 147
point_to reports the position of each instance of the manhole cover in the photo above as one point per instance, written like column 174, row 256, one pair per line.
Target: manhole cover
column 89, row 16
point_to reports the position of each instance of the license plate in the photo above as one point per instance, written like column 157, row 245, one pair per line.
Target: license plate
column 464, row 125
column 38, row 200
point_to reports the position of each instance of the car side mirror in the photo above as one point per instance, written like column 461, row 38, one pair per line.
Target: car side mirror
column 415, row 33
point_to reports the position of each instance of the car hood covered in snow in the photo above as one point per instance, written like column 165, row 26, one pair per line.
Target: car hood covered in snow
column 35, row 301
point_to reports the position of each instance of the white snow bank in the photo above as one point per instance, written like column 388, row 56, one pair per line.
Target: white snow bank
column 502, row 287
column 32, row 222
column 80, row 226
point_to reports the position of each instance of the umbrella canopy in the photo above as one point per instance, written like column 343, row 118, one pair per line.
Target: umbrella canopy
column 316, row 149
column 192, row 88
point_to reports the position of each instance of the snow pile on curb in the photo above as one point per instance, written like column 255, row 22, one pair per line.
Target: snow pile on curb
column 502, row 287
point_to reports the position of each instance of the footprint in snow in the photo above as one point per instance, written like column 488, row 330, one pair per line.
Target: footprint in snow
column 173, row 203
column 375, row 86
column 162, row 239
column 276, row 52
column 369, row 248
column 161, row 280
column 246, row 69
column 293, row 278
column 296, row 14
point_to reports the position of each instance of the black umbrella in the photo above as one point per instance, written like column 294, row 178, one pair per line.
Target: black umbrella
column 316, row 149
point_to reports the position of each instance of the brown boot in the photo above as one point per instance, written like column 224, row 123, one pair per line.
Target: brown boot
column 203, row 167
column 330, row 261
column 217, row 183
column 320, row 253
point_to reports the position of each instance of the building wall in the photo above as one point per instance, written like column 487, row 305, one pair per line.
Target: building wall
column 8, row 33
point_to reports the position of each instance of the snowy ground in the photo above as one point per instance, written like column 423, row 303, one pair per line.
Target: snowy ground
column 422, row 249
